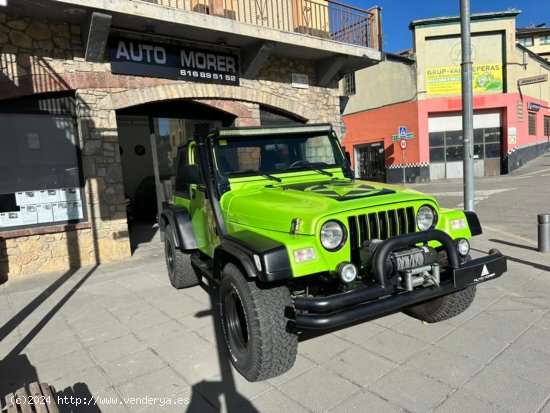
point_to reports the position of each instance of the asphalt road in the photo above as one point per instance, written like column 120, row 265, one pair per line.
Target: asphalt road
column 508, row 204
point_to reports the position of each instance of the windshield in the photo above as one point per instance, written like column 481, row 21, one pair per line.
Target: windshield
column 252, row 155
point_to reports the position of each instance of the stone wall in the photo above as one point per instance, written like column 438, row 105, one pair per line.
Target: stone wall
column 42, row 250
column 42, row 56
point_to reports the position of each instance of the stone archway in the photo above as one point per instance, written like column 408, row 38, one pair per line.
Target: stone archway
column 207, row 92
column 97, row 124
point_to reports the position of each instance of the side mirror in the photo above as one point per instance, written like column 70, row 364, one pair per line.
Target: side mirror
column 192, row 175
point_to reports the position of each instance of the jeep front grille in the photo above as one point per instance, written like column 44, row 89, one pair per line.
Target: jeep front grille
column 379, row 225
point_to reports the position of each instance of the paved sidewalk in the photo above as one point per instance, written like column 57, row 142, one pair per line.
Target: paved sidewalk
column 119, row 331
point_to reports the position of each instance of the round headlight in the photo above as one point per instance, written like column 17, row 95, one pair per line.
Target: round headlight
column 333, row 235
column 425, row 218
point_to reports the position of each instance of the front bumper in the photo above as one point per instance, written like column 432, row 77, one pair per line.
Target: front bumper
column 370, row 302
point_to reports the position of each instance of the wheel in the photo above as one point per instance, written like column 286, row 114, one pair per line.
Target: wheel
column 254, row 326
column 180, row 271
column 443, row 308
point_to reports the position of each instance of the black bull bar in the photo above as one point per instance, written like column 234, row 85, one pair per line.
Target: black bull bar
column 366, row 303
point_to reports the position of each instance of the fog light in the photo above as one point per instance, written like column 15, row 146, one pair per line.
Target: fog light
column 347, row 272
column 463, row 247
column 304, row 254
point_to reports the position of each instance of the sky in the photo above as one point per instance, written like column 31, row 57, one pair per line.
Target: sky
column 397, row 14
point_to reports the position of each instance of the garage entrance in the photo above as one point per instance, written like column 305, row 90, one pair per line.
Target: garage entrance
column 149, row 136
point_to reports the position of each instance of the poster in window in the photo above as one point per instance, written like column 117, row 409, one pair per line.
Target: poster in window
column 47, row 196
column 29, row 215
column 69, row 194
column 60, row 211
column 10, row 219
column 75, row 210
column 26, row 198
column 45, row 213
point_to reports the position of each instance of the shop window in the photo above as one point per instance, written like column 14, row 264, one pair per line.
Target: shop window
column 545, row 39
column 454, row 153
column 453, row 138
column 448, row 146
column 492, row 150
column 478, row 151
column 492, row 135
column 437, row 139
column 40, row 174
column 349, row 84
column 547, row 126
column 532, row 123
column 437, row 155
column 526, row 41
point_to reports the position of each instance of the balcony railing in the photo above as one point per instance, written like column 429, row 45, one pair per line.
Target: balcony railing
column 319, row 18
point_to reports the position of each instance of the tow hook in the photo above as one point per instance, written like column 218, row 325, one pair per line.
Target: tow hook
column 425, row 276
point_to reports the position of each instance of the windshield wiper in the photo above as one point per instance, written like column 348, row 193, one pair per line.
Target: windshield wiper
column 306, row 164
column 258, row 172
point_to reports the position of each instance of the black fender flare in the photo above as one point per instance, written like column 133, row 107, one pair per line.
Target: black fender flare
column 260, row 257
column 178, row 218
column 473, row 223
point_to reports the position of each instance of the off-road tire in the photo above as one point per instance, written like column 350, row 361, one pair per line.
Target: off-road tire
column 180, row 271
column 443, row 308
column 254, row 326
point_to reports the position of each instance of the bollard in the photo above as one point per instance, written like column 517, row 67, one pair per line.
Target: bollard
column 544, row 232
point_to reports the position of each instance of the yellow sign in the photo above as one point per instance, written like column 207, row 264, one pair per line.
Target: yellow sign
column 446, row 80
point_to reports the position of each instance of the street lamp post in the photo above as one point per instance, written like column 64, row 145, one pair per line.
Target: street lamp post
column 467, row 106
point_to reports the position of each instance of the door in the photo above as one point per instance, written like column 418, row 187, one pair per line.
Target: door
column 370, row 162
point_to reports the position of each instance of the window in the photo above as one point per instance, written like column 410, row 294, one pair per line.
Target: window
column 547, row 126
column 545, row 39
column 526, row 41
column 40, row 179
column 448, row 146
column 349, row 84
column 532, row 123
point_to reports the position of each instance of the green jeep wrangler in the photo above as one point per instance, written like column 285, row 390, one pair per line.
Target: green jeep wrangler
column 274, row 219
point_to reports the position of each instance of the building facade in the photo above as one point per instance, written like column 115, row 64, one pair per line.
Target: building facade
column 411, row 125
column 95, row 101
column 536, row 39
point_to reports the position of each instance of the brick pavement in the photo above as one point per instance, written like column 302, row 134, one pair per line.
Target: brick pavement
column 120, row 331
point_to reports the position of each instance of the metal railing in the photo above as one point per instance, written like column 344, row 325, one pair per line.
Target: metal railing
column 319, row 18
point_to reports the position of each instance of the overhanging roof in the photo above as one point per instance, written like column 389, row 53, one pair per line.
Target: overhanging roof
column 434, row 21
column 330, row 56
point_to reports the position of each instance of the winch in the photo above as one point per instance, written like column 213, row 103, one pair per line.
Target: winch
column 416, row 265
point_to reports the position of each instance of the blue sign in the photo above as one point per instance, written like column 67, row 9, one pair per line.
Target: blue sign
column 403, row 131
column 533, row 106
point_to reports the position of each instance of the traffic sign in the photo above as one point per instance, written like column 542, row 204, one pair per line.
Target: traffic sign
column 409, row 135
column 402, row 134
column 403, row 143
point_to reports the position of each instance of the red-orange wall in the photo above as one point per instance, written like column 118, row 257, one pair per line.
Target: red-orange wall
column 506, row 103
column 379, row 125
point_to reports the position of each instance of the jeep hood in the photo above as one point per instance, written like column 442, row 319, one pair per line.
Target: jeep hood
column 272, row 207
